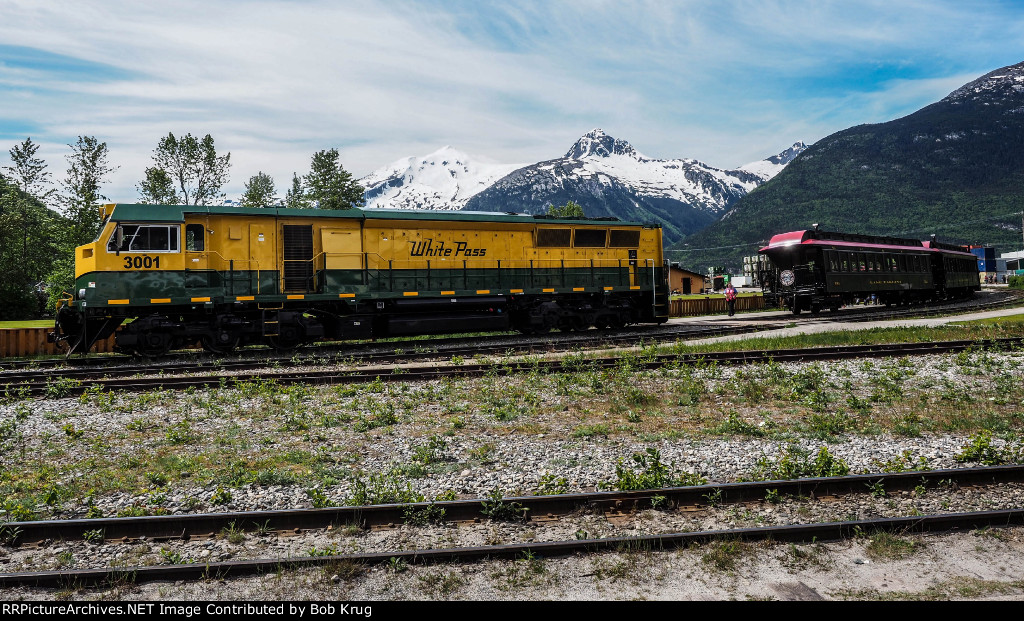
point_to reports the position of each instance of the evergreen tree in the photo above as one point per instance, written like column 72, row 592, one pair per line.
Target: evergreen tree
column 330, row 186
column 194, row 167
column 29, row 172
column 158, row 188
column 571, row 209
column 296, row 198
column 259, row 191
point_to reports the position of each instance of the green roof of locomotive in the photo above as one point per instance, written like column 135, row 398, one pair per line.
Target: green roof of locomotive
column 176, row 213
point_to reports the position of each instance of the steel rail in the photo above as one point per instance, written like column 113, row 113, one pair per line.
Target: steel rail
column 186, row 526
column 420, row 354
column 829, row 531
column 330, row 377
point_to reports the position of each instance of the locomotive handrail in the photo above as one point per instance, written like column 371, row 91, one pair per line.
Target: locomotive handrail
column 230, row 265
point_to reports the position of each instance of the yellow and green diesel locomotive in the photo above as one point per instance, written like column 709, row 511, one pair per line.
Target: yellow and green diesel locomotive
column 161, row 277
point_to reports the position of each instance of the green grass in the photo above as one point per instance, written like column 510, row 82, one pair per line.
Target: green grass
column 873, row 336
column 30, row 323
column 995, row 321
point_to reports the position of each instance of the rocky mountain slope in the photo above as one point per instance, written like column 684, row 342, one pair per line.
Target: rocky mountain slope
column 609, row 177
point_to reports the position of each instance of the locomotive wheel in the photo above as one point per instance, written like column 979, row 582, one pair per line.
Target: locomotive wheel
column 283, row 343
column 215, row 346
column 153, row 345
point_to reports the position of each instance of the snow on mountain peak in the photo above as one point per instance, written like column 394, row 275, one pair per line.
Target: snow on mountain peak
column 995, row 85
column 443, row 179
column 771, row 166
column 596, row 143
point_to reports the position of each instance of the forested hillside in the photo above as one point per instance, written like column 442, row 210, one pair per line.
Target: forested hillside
column 954, row 168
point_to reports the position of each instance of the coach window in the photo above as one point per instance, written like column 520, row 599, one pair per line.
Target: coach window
column 144, row 238
column 195, row 237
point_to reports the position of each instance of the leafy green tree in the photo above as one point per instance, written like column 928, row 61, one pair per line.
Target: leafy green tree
column 88, row 168
column 158, row 188
column 571, row 209
column 27, row 251
column 29, row 172
column 259, row 191
column 198, row 173
column 330, row 186
column 295, row 198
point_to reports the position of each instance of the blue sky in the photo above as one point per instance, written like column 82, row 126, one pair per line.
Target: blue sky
column 275, row 80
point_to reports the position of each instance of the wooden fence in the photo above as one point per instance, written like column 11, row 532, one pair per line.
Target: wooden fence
column 687, row 307
column 16, row 342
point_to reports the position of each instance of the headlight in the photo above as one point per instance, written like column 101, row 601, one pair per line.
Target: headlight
column 81, row 294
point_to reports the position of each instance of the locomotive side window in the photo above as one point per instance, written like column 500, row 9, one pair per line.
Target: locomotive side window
column 195, row 237
column 554, row 238
column 144, row 238
column 590, row 238
column 619, row 238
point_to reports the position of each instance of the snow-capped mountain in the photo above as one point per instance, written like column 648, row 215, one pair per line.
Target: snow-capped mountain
column 444, row 179
column 769, row 167
column 609, row 177
column 999, row 86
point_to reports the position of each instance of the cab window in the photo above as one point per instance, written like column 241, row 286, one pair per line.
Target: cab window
column 144, row 238
column 194, row 237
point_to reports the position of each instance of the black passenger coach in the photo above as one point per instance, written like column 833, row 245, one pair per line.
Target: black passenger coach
column 812, row 269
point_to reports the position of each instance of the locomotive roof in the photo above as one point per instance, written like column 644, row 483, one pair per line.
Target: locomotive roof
column 853, row 241
column 176, row 213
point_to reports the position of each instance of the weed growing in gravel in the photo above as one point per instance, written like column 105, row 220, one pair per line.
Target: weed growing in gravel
column 381, row 489
column 423, row 516
column 888, row 546
column 550, row 485
column 496, row 508
column 647, row 472
column 440, row 583
column 901, row 463
column 724, row 555
column 796, row 463
column 981, row 450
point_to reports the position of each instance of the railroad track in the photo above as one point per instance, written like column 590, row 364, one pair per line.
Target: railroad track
column 62, row 387
column 365, row 353
column 533, row 508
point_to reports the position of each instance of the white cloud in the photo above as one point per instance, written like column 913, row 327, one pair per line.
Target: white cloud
column 275, row 81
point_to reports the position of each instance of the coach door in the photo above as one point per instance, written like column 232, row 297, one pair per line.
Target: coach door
column 297, row 248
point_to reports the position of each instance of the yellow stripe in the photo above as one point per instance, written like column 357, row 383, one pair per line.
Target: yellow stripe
column 577, row 288
column 608, row 288
column 346, row 295
column 483, row 291
column 515, row 290
column 160, row 300
column 245, row 298
column 200, row 299
column 411, row 293
column 117, row 301
column 548, row 290
column 447, row 293
column 296, row 297
column 634, row 287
